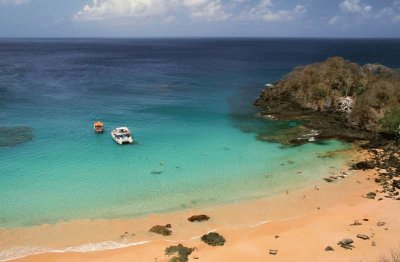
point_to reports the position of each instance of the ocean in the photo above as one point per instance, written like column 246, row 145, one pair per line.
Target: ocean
column 188, row 103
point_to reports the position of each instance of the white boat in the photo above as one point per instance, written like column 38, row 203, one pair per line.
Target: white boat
column 122, row 135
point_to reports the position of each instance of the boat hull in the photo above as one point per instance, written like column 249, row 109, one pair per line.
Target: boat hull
column 125, row 141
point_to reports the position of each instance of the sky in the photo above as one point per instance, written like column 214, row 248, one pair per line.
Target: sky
column 200, row 18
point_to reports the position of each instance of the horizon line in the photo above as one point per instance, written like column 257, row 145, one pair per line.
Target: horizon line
column 199, row 37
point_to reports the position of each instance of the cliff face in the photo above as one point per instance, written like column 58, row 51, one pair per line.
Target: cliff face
column 366, row 98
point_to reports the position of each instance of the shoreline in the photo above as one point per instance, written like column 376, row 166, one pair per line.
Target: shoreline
column 256, row 219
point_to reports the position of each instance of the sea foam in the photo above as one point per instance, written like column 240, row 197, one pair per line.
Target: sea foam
column 20, row 252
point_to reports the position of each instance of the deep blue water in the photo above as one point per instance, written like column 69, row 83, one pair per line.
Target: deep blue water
column 189, row 104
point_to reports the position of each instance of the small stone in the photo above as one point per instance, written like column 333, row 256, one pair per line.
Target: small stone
column 365, row 219
column 356, row 223
column 329, row 248
column 371, row 195
column 362, row 236
column 273, row 252
column 168, row 226
column 380, row 224
column 346, row 243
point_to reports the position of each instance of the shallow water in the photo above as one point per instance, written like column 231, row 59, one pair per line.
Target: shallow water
column 189, row 105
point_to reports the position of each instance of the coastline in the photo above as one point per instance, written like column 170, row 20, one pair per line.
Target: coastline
column 312, row 218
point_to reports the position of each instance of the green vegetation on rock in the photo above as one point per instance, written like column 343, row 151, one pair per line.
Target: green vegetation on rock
column 181, row 253
column 391, row 121
column 364, row 97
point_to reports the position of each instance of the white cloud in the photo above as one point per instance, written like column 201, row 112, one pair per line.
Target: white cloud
column 209, row 10
column 285, row 15
column 13, row 2
column 263, row 11
column 355, row 7
column 365, row 12
column 166, row 10
column 106, row 9
column 195, row 3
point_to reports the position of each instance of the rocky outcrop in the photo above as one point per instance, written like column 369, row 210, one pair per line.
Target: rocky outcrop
column 339, row 98
column 386, row 162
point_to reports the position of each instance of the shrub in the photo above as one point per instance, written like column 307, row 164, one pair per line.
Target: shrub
column 391, row 121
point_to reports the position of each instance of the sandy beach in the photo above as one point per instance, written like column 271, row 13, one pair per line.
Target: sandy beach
column 298, row 224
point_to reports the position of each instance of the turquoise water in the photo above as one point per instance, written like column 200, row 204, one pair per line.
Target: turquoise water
column 189, row 105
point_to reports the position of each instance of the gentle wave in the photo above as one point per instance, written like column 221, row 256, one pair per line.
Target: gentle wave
column 20, row 252
column 259, row 224
column 268, row 221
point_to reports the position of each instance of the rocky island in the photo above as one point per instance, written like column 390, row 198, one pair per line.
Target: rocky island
column 336, row 99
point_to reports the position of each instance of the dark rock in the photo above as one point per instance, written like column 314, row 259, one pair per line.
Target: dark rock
column 213, row 239
column 182, row 253
column 273, row 252
column 12, row 136
column 329, row 248
column 365, row 219
column 168, row 226
column 162, row 230
column 198, row 218
column 396, row 184
column 329, row 180
column 346, row 243
column 371, row 195
column 363, row 165
column 362, row 236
